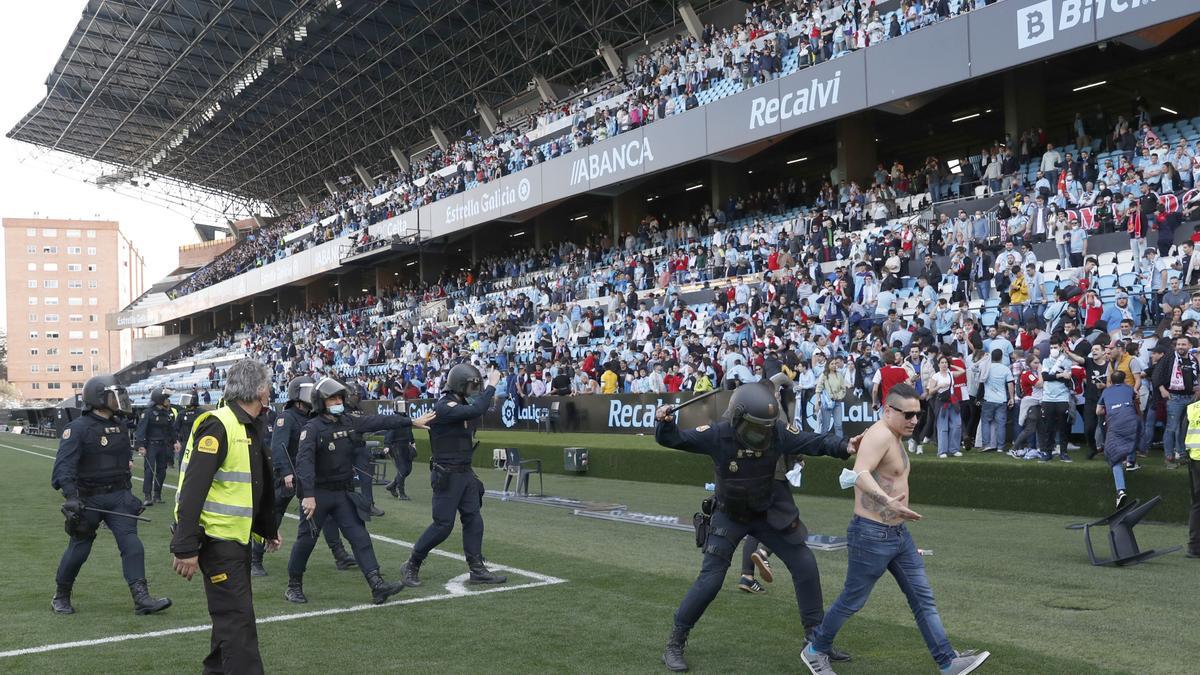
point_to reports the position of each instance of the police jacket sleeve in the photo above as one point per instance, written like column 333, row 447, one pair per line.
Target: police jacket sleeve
column 66, row 461
column 306, row 467
column 280, row 437
column 701, row 440
column 139, row 434
column 462, row 412
column 793, row 441
column 197, row 479
column 368, row 423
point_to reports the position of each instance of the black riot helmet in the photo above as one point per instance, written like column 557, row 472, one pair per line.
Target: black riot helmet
column 352, row 400
column 299, row 390
column 189, row 400
column 464, row 380
column 753, row 410
column 327, row 387
column 160, row 395
column 102, row 391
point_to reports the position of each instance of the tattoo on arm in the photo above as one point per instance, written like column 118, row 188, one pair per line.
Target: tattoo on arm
column 879, row 503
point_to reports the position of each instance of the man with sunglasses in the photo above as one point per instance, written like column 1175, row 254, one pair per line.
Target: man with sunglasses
column 745, row 447
column 879, row 541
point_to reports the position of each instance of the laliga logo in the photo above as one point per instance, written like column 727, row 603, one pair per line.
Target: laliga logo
column 1035, row 23
column 508, row 413
column 523, row 189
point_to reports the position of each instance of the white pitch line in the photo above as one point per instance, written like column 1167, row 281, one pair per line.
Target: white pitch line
column 455, row 588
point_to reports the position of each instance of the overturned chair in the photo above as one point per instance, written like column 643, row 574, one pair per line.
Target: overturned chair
column 521, row 470
column 1120, row 535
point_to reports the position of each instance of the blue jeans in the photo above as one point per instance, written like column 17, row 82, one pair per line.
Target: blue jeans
column 873, row 549
column 994, row 418
column 983, row 289
column 1172, row 440
column 831, row 419
column 1148, row 428
column 949, row 430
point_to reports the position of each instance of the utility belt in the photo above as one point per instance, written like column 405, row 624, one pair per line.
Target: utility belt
column 739, row 512
column 94, row 490
column 336, row 485
column 449, row 468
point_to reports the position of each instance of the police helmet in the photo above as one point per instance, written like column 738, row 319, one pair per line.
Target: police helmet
column 464, row 380
column 326, row 388
column 352, row 399
column 299, row 389
column 189, row 400
column 102, row 391
column 753, row 410
column 160, row 395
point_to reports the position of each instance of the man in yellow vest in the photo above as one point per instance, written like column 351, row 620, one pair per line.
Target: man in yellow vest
column 224, row 500
column 1192, row 444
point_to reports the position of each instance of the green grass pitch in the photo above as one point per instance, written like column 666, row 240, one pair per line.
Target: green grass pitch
column 1016, row 584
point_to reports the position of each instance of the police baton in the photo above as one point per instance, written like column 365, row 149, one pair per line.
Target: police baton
column 676, row 408
column 118, row 513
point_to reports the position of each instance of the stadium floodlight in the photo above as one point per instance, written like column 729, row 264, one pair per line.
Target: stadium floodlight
column 1089, row 86
column 797, row 160
column 955, row 166
column 697, row 186
column 517, row 234
column 966, row 117
column 582, row 216
column 411, row 263
column 1167, row 110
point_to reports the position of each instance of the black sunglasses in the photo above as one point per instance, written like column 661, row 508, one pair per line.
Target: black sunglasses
column 908, row 415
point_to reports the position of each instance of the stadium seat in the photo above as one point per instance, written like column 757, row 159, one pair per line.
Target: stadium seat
column 516, row 468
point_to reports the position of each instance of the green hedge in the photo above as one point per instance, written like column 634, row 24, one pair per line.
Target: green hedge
column 1080, row 490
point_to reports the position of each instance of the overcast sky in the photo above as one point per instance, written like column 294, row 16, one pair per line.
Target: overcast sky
column 32, row 37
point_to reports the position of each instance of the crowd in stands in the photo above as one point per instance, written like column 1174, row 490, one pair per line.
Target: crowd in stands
column 774, row 38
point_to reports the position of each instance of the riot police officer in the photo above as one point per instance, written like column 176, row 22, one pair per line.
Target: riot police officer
column 325, row 469
column 402, row 448
column 362, row 456
column 455, row 485
column 156, row 442
column 190, row 404
column 93, row 469
column 285, row 442
column 745, row 447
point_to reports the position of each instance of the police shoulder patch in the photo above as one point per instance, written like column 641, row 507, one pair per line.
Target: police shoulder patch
column 703, row 427
column 279, row 422
column 451, row 404
column 66, row 434
column 304, row 434
column 208, row 444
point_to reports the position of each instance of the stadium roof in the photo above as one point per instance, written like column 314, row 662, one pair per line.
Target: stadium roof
column 266, row 99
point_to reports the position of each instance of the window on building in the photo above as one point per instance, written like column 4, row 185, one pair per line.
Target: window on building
column 35, row 385
column 35, row 368
column 91, row 267
column 75, row 335
column 50, row 267
column 74, row 267
column 32, row 318
column 94, row 351
column 74, row 234
column 31, row 267
column 52, row 250
column 33, row 352
column 74, row 250
column 51, row 351
column 50, row 283
column 52, row 368
column 77, row 385
column 94, row 335
column 91, row 250
column 76, row 351
column 32, row 283
column 31, row 249
column 54, row 385
column 75, row 318
column 78, row 302
column 91, row 234
column 51, row 318
column 49, row 232
column 31, row 232
column 92, row 302
column 51, row 335
column 51, row 300
column 92, row 283
column 77, row 368
column 33, row 300
column 33, row 335
column 92, row 318
column 74, row 283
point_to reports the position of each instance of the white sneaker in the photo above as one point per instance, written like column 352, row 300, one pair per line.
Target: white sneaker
column 920, row 451
column 966, row 662
column 958, row 453
column 912, row 446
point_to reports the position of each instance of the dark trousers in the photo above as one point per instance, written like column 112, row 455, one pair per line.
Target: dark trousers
column 403, row 456
column 723, row 538
column 1090, row 422
column 226, row 569
column 1054, row 424
column 124, row 530
column 1029, row 430
column 335, row 506
column 158, row 456
column 1194, row 513
column 283, row 498
column 454, row 492
column 970, row 420
column 928, row 424
column 362, row 472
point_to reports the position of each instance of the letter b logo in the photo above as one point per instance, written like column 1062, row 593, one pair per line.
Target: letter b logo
column 1035, row 24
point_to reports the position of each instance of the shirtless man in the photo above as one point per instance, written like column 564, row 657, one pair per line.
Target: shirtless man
column 880, row 542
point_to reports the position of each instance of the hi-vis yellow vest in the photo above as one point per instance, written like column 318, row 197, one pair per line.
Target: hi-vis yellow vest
column 228, row 510
column 1192, row 440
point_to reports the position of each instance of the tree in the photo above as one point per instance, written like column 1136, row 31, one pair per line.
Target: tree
column 3, row 355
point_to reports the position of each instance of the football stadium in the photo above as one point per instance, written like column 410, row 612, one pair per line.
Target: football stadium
column 829, row 336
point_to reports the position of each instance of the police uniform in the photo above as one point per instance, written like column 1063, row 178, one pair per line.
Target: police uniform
column 91, row 469
column 325, row 471
column 222, row 503
column 456, row 488
column 750, row 501
column 362, row 462
column 284, row 443
column 403, row 450
column 183, row 427
column 156, row 432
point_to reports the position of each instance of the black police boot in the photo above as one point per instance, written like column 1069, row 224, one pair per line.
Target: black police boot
column 376, row 512
column 410, row 573
column 480, row 574
column 834, row 653
column 147, row 502
column 382, row 590
column 256, row 566
column 400, row 493
column 295, row 589
column 158, row 499
column 673, row 654
column 341, row 559
column 61, row 604
column 142, row 602
column 393, row 489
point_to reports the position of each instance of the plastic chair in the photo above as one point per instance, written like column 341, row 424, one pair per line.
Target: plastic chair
column 515, row 467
